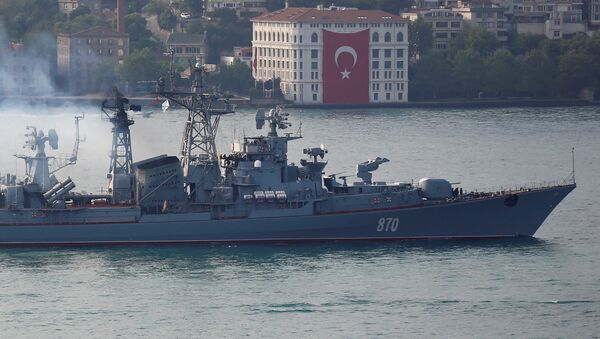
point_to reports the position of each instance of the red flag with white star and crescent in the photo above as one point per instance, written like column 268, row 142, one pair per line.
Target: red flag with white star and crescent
column 345, row 67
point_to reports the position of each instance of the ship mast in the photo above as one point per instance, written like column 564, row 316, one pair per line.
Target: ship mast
column 198, row 148
column 121, row 159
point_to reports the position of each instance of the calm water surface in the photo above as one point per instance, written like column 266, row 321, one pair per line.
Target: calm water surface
column 543, row 287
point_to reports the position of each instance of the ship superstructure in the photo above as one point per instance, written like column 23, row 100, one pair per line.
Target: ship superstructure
column 253, row 193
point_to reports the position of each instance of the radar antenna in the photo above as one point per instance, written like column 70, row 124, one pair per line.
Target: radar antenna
column 59, row 163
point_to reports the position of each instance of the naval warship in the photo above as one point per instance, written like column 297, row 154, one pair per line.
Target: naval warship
column 252, row 194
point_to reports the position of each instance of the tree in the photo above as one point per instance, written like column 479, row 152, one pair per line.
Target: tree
column 431, row 77
column 539, row 74
column 28, row 17
column 167, row 20
column 79, row 11
column 521, row 44
column 578, row 70
column 477, row 39
column 502, row 73
column 80, row 23
column 468, row 72
column 420, row 38
column 139, row 36
column 236, row 78
column 143, row 65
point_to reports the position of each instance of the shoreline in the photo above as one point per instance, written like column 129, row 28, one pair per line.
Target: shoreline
column 57, row 101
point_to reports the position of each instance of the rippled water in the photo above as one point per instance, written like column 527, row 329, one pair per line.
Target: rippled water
column 543, row 287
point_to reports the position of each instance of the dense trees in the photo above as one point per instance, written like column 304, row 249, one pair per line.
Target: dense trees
column 142, row 65
column 478, row 66
column 236, row 78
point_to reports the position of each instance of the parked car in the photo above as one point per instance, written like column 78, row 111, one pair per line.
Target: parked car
column 185, row 15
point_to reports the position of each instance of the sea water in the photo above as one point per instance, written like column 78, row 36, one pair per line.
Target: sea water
column 547, row 286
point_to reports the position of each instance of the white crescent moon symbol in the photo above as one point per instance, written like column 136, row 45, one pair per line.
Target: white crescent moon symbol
column 345, row 49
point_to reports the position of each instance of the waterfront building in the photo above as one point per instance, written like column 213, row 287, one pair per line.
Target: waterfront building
column 82, row 55
column 594, row 12
column 487, row 15
column 242, row 8
column 445, row 24
column 187, row 47
column 333, row 55
column 243, row 54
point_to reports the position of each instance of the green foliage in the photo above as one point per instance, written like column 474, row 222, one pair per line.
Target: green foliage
column 143, row 65
column 79, row 11
column 139, row 36
column 420, row 38
column 167, row 20
column 27, row 17
column 469, row 72
column 531, row 66
column 502, row 73
column 155, row 7
column 431, row 77
column 236, row 78
column 80, row 23
column 223, row 35
column 476, row 39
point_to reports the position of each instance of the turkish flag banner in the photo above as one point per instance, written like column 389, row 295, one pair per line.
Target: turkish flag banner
column 346, row 67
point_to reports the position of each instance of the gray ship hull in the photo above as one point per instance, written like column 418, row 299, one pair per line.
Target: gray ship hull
column 487, row 217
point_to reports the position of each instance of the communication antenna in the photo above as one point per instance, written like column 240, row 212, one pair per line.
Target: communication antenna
column 59, row 163
column 573, row 163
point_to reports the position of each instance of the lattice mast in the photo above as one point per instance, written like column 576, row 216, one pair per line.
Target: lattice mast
column 198, row 151
column 121, row 157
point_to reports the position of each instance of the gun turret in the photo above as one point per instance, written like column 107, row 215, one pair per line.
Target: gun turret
column 364, row 169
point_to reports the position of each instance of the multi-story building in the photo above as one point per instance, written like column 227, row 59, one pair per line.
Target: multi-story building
column 487, row 15
column 82, row 55
column 333, row 55
column 187, row 47
column 24, row 71
column 552, row 18
column 593, row 8
column 243, row 8
column 445, row 24
column 68, row 6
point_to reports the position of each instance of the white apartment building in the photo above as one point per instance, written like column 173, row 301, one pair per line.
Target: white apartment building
column 552, row 18
column 446, row 24
column 333, row 55
column 487, row 15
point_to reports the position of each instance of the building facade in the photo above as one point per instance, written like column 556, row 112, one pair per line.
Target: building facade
column 552, row 18
column 242, row 8
column 446, row 24
column 487, row 15
column 243, row 54
column 333, row 55
column 186, row 47
column 81, row 57
column 594, row 10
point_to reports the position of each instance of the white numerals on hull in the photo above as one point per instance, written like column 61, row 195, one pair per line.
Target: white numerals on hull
column 388, row 224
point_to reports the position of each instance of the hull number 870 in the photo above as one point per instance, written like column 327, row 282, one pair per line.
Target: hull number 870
column 388, row 224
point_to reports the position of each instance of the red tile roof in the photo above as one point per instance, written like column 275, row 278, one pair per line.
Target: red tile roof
column 313, row 15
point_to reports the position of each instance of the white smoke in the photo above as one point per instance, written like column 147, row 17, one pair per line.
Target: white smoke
column 25, row 69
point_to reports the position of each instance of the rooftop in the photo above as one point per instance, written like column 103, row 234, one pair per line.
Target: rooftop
column 328, row 15
column 96, row 32
column 185, row 39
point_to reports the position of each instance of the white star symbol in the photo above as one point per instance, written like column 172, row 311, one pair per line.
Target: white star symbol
column 345, row 74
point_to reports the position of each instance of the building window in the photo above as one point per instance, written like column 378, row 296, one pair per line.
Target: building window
column 314, row 38
column 375, row 53
column 387, row 53
column 375, row 65
column 399, row 53
column 375, row 37
column 314, row 96
column 314, row 53
column 375, row 96
column 400, row 64
column 455, row 24
column 387, row 37
column 387, row 65
column 399, row 37
column 441, row 24
column 314, row 65
column 387, row 96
